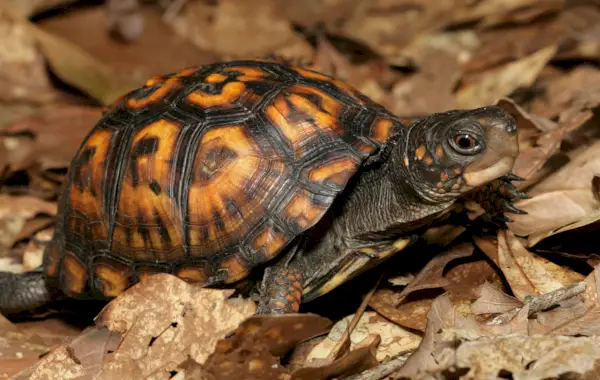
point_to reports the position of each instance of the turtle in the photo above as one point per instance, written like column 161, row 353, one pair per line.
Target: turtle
column 217, row 171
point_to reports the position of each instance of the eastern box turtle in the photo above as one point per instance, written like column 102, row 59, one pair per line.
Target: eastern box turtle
column 214, row 171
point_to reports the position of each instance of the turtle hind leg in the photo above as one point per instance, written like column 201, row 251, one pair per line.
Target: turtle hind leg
column 23, row 292
column 281, row 291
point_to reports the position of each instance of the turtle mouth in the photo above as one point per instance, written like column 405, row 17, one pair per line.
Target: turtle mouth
column 482, row 176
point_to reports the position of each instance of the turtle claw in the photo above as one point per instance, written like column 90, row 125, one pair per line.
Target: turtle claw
column 513, row 177
column 509, row 207
column 498, row 196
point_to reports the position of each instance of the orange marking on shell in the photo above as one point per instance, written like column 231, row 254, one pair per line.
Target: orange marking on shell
column 154, row 80
column 294, row 133
column 187, row 72
column 197, row 274
column 216, row 78
column 74, row 275
column 230, row 92
column 235, row 268
column 420, row 152
column 363, row 147
column 329, row 104
column 91, row 172
column 141, row 203
column 113, row 281
column 324, row 120
column 350, row 91
column 302, row 211
column 428, row 160
column 312, row 74
column 406, row 162
column 230, row 180
column 338, row 171
column 443, row 176
column 168, row 86
column 381, row 129
column 439, row 151
column 270, row 241
column 248, row 73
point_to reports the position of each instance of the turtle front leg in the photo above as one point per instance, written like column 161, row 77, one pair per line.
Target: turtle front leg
column 497, row 197
column 22, row 292
column 281, row 291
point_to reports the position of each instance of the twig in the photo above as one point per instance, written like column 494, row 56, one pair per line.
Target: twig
column 545, row 301
column 381, row 370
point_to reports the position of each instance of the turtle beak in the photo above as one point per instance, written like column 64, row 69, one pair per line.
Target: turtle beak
column 501, row 151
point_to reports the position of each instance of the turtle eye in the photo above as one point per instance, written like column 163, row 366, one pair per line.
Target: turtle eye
column 466, row 143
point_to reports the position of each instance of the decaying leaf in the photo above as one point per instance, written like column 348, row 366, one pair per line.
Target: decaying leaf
column 223, row 28
column 525, row 272
column 166, row 319
column 494, row 84
column 15, row 211
column 394, row 339
column 492, row 300
column 50, row 138
column 544, row 219
column 254, row 351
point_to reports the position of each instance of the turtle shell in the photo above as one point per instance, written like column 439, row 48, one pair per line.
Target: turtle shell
column 207, row 173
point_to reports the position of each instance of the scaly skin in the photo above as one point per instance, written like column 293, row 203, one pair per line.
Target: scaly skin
column 23, row 292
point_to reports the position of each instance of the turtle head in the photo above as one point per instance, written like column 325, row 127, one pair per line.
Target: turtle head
column 450, row 153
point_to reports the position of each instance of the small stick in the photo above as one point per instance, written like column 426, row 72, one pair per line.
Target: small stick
column 381, row 370
column 545, row 301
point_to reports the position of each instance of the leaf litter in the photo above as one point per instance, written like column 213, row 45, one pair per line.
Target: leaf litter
column 476, row 303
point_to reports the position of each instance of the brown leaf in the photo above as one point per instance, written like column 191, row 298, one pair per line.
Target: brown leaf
column 431, row 276
column 465, row 279
column 525, row 272
column 81, row 70
column 578, row 207
column 351, row 363
column 237, row 28
column 492, row 301
column 253, row 352
column 164, row 320
column 430, row 89
column 140, row 60
column 394, row 339
column 497, row 83
column 538, row 357
column 15, row 211
column 411, row 314
column 559, row 93
column 24, row 81
column 57, row 134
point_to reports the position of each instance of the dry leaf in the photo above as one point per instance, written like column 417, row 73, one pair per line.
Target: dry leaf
column 57, row 134
column 525, row 272
column 15, row 211
column 494, row 84
column 411, row 314
column 236, row 28
column 164, row 320
column 544, row 219
column 431, row 276
column 351, row 363
column 254, row 351
column 394, row 339
column 492, row 301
